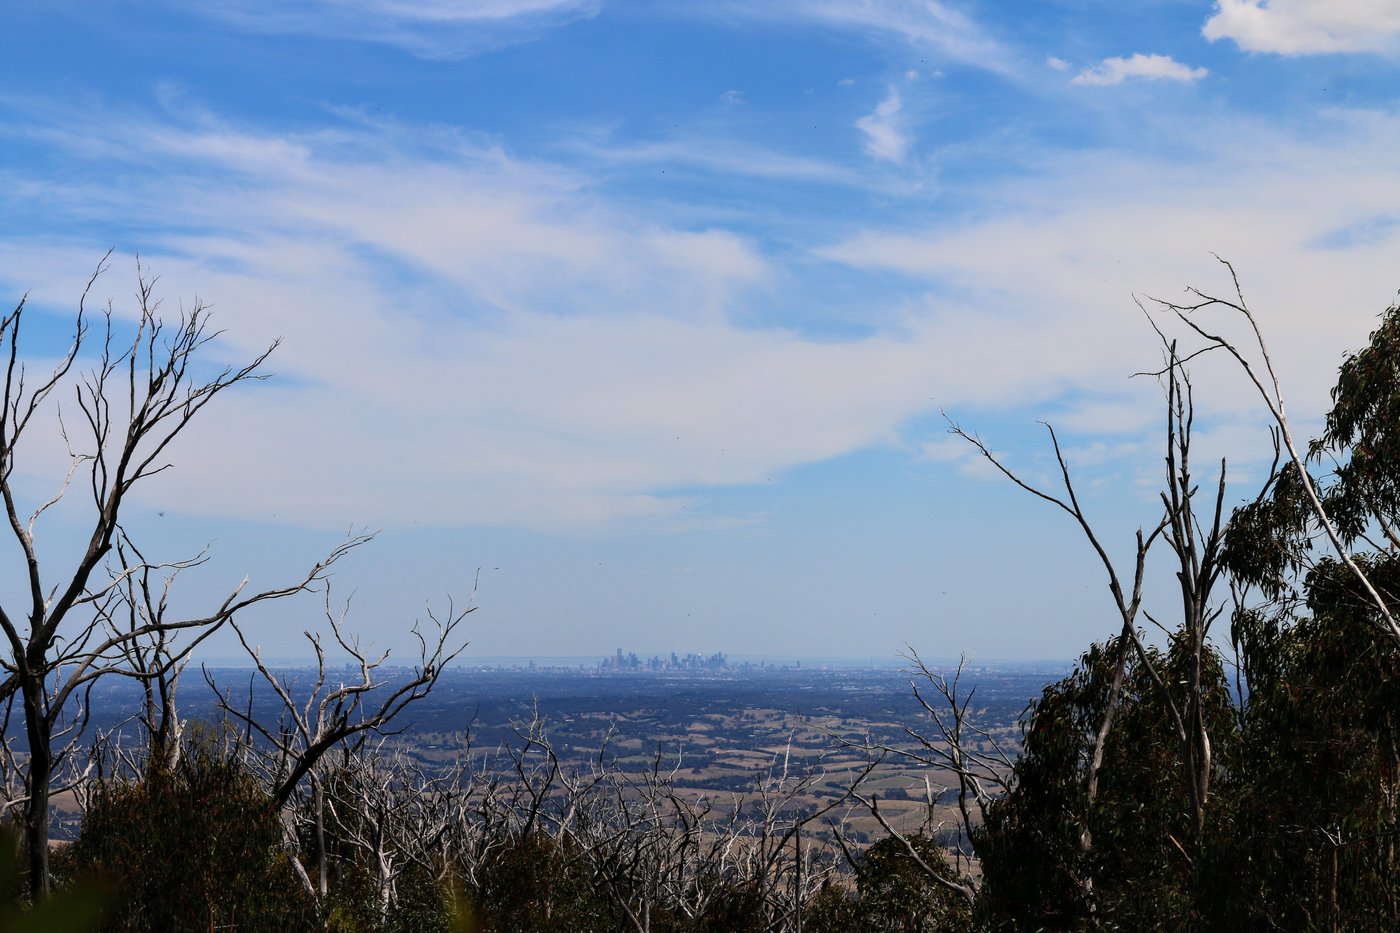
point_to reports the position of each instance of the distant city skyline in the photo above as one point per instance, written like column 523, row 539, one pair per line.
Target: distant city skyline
column 635, row 324
column 600, row 660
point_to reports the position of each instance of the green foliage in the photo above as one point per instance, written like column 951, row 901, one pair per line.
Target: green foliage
column 1313, row 804
column 76, row 909
column 893, row 894
column 420, row 904
column 832, row 909
column 1314, row 808
column 1052, row 861
column 1267, row 542
column 193, row 848
column 732, row 906
column 532, row 883
column 1301, row 829
column 896, row 895
column 1270, row 541
column 1365, row 423
column 1032, row 862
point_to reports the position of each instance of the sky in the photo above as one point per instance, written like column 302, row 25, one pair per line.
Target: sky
column 638, row 324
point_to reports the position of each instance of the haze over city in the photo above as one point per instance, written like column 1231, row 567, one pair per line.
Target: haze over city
column 636, row 324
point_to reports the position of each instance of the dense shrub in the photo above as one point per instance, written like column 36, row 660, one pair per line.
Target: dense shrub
column 893, row 894
column 532, row 883
column 197, row 847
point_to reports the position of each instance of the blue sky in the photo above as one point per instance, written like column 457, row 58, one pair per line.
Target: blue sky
column 649, row 310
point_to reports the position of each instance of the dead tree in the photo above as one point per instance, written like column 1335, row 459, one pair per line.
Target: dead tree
column 144, row 386
column 1262, row 375
column 328, row 713
column 644, row 844
column 1196, row 540
column 1128, row 602
column 950, row 749
column 387, row 815
column 774, row 861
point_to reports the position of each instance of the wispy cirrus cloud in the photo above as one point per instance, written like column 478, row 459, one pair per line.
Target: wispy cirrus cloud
column 885, row 134
column 428, row 29
column 482, row 339
column 486, row 339
column 934, row 26
column 1116, row 70
column 723, row 155
column 1304, row 216
column 1307, row 27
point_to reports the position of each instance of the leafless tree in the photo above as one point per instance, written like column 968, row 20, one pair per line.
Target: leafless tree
column 14, row 783
column 1127, row 601
column 316, row 718
column 774, row 860
column 1263, row 376
column 387, row 815
column 957, row 747
column 1195, row 541
column 643, row 842
column 135, row 390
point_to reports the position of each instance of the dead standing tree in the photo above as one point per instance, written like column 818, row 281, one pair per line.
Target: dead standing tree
column 648, row 847
column 333, row 713
column 1128, row 602
column 1263, row 376
column 1196, row 543
column 142, row 391
column 951, row 749
column 385, row 814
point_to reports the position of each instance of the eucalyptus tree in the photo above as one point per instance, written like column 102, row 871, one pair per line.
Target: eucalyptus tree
column 1124, row 676
column 1320, row 659
column 1356, row 504
column 1195, row 536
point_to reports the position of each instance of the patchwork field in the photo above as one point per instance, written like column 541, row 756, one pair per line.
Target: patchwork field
column 724, row 737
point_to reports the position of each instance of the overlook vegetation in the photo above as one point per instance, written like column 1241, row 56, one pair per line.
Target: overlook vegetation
column 1237, row 770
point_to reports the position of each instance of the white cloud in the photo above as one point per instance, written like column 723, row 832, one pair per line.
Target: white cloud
column 1149, row 67
column 1304, row 27
column 468, row 338
column 472, row 337
column 729, row 156
column 430, row 28
column 1050, row 281
column 947, row 450
column 885, row 137
column 929, row 25
column 1057, row 63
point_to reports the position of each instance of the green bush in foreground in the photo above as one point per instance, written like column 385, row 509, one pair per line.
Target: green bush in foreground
column 197, row 847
